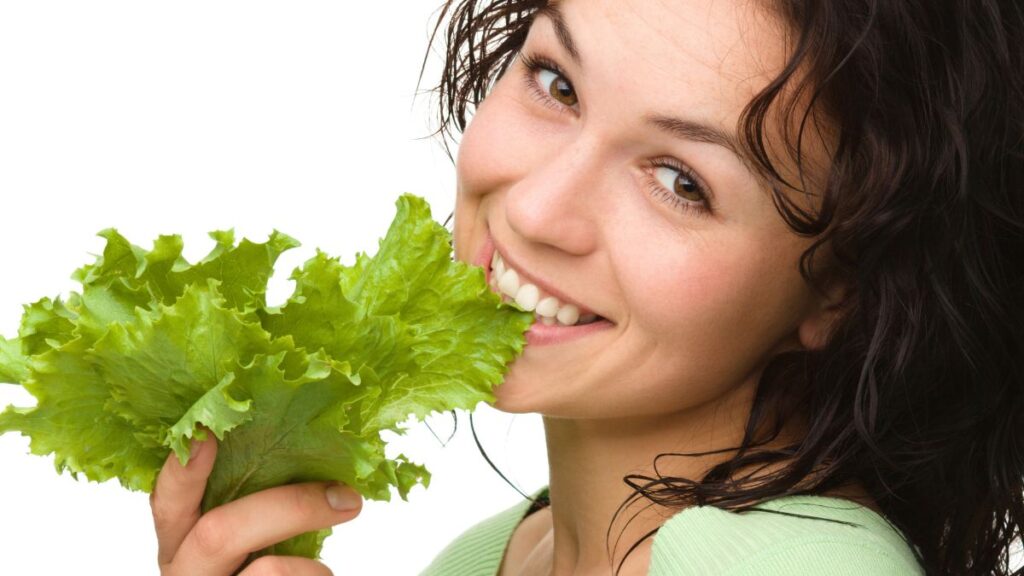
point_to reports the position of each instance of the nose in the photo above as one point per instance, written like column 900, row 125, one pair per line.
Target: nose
column 558, row 202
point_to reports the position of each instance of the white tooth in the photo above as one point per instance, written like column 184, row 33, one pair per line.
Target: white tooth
column 499, row 265
column 547, row 320
column 568, row 314
column 527, row 296
column 548, row 307
column 509, row 283
column 494, row 259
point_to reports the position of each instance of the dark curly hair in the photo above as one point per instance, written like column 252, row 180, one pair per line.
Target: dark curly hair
column 919, row 391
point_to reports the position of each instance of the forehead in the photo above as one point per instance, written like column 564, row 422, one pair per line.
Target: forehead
column 704, row 58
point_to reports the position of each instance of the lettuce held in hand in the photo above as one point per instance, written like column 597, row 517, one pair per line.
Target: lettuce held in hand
column 156, row 350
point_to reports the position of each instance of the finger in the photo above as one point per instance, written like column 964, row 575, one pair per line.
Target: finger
column 286, row 566
column 224, row 536
column 178, row 493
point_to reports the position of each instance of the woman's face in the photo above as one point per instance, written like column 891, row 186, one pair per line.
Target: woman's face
column 580, row 182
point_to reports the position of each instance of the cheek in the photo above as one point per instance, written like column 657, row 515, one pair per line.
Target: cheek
column 500, row 147
column 490, row 153
column 717, row 311
column 479, row 167
column 476, row 152
column 476, row 171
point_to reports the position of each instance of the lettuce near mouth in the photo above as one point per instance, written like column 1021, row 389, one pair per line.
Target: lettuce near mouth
column 154, row 349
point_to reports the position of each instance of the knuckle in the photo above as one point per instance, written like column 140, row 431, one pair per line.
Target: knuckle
column 308, row 500
column 211, row 535
column 164, row 515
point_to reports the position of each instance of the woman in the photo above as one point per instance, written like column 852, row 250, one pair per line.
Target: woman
column 792, row 237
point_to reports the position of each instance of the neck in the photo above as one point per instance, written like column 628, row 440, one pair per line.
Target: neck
column 589, row 458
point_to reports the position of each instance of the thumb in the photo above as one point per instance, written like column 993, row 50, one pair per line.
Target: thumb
column 178, row 493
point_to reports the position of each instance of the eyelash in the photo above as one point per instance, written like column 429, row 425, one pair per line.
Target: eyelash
column 536, row 63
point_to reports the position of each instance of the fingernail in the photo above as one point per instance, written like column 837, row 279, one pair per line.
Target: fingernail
column 343, row 498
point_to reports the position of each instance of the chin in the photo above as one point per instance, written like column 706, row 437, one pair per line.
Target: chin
column 509, row 398
column 533, row 396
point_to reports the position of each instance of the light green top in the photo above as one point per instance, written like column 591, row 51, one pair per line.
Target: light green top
column 708, row 541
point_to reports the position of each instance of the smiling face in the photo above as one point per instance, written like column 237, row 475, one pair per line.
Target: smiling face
column 571, row 166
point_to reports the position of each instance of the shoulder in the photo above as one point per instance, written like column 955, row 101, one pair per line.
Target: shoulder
column 479, row 549
column 789, row 535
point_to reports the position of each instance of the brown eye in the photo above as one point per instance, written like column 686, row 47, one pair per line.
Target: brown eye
column 557, row 87
column 679, row 183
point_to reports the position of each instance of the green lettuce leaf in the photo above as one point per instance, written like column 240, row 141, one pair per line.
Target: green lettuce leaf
column 155, row 351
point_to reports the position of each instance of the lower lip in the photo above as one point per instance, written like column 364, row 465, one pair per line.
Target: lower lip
column 539, row 333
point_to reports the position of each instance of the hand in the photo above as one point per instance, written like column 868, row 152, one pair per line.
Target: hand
column 218, row 542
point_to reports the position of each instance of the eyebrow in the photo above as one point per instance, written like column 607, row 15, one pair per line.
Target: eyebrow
column 682, row 128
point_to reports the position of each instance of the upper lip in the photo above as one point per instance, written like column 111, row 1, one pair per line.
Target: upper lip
column 543, row 285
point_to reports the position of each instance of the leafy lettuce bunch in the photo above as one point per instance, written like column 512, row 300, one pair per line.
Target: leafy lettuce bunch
column 155, row 350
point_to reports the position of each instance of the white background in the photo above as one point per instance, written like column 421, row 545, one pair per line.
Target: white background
column 187, row 117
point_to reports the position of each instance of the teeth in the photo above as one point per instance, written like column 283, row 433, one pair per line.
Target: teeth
column 497, row 265
column 547, row 309
column 508, row 283
column 568, row 314
column 527, row 296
